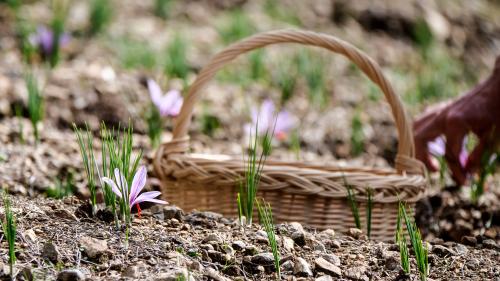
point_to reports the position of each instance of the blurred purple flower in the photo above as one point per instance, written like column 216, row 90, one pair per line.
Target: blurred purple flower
column 120, row 188
column 437, row 147
column 265, row 118
column 44, row 40
column 169, row 104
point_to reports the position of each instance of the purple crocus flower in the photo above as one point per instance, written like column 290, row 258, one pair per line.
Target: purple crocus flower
column 44, row 40
column 437, row 147
column 120, row 188
column 265, row 118
column 169, row 104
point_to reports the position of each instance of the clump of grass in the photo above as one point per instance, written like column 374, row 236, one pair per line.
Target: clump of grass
column 253, row 171
column 487, row 167
column 357, row 135
column 286, row 80
column 351, row 199
column 273, row 9
column 238, row 27
column 60, row 11
column 421, row 251
column 13, row 4
column 62, row 188
column 155, row 125
column 401, row 242
column 134, row 54
column 312, row 69
column 209, row 123
column 35, row 104
column 9, row 231
column 266, row 219
column 19, row 115
column 177, row 64
column 257, row 67
column 101, row 12
column 86, row 144
column 162, row 8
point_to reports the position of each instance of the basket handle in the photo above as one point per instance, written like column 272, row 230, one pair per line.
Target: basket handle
column 405, row 160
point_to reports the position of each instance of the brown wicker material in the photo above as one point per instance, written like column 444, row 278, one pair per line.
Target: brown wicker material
column 311, row 194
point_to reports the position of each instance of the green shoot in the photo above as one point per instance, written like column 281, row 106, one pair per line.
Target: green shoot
column 286, row 80
column 176, row 64
column 257, row 67
column 24, row 29
column 351, row 199
column 357, row 136
column 401, row 242
column 85, row 143
column 274, row 11
column 295, row 143
column 421, row 251
column 312, row 68
column 238, row 27
column 134, row 54
column 266, row 219
column 369, row 208
column 9, row 231
column 19, row 114
column 155, row 125
column 488, row 166
column 35, row 104
column 60, row 11
column 101, row 12
column 62, row 188
column 162, row 8
column 253, row 171
column 13, row 4
column 209, row 123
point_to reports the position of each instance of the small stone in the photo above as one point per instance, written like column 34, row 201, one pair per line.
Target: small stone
column 324, row 278
column 302, row 268
column 213, row 274
column 355, row 233
column 172, row 212
column 212, row 237
column 356, row 273
column 287, row 266
column 392, row 260
column 296, row 226
column 30, row 236
column 261, row 237
column 461, row 249
column 288, row 244
column 469, row 240
column 299, row 237
column 238, row 245
column 490, row 244
column 196, row 265
column 174, row 275
column 442, row 251
column 93, row 247
column 263, row 259
column 328, row 233
column 131, row 272
column 64, row 214
column 219, row 257
column 332, row 258
column 70, row 275
column 318, row 246
column 50, row 252
column 323, row 265
column 336, row 244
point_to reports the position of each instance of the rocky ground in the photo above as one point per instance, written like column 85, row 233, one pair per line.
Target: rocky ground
column 58, row 239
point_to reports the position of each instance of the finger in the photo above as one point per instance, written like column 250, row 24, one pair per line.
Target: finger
column 455, row 133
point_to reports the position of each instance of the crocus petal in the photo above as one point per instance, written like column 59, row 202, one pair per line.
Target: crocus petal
column 121, row 182
column 176, row 108
column 266, row 115
column 464, row 155
column 138, row 182
column 45, row 39
column 155, row 92
column 284, row 122
column 170, row 103
column 64, row 40
column 437, row 147
column 148, row 197
column 111, row 183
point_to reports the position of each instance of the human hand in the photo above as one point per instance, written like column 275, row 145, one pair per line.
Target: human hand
column 478, row 112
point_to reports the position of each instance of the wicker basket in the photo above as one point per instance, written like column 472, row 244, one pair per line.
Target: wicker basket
column 311, row 194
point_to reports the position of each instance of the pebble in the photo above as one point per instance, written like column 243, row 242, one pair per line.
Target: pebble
column 299, row 237
column 296, row 226
column 302, row 268
column 50, row 252
column 288, row 244
column 336, row 244
column 70, row 275
column 131, row 272
column 461, row 249
column 30, row 236
column 93, row 247
column 323, row 265
column 355, row 233
column 469, row 240
column 318, row 246
column 287, row 266
column 490, row 244
column 324, row 278
column 238, row 245
column 332, row 258
column 212, row 237
column 64, row 214
column 356, row 273
column 442, row 251
column 263, row 259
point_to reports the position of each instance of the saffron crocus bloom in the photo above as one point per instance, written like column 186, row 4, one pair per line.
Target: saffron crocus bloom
column 169, row 104
column 437, row 147
column 120, row 188
column 265, row 118
column 44, row 40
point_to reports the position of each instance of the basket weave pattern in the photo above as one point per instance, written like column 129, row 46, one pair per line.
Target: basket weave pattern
column 311, row 194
